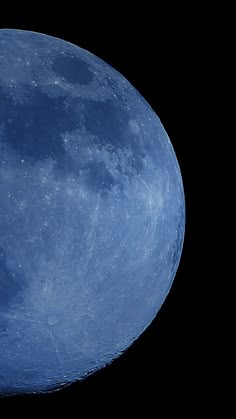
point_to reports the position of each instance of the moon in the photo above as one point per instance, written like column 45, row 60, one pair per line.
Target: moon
column 92, row 213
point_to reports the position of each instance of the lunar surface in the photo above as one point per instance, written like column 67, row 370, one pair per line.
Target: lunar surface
column 92, row 213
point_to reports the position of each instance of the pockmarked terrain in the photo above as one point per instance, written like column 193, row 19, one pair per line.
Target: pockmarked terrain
column 92, row 213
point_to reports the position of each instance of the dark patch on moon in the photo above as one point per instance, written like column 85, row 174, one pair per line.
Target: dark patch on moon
column 109, row 123
column 72, row 69
column 36, row 124
column 106, row 121
column 97, row 177
column 11, row 283
column 35, row 127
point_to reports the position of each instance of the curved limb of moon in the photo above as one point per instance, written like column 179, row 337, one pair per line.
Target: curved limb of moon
column 93, row 248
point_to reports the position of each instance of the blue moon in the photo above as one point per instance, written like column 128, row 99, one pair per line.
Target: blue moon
column 92, row 213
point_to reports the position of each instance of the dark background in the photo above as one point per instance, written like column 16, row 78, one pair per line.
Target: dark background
column 159, row 57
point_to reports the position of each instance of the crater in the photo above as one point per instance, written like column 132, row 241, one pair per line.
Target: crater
column 3, row 331
column 52, row 320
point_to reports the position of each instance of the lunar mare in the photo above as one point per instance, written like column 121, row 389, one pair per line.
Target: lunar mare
column 92, row 213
